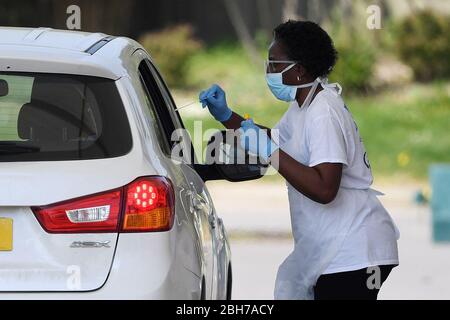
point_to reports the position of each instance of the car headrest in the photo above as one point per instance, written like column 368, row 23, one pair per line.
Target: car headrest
column 65, row 93
column 4, row 88
column 41, row 122
column 54, row 113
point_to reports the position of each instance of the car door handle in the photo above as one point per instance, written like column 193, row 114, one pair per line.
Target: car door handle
column 196, row 203
column 212, row 221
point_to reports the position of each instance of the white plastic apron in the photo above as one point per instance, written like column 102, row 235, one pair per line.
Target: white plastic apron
column 318, row 237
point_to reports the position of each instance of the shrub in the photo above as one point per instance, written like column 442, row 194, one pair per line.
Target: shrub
column 356, row 46
column 228, row 65
column 423, row 42
column 356, row 61
column 171, row 49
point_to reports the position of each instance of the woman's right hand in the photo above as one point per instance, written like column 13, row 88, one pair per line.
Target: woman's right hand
column 214, row 98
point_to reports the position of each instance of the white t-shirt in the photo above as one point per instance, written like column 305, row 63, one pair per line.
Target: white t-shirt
column 326, row 132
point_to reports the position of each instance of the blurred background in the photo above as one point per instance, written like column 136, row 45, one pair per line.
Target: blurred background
column 395, row 72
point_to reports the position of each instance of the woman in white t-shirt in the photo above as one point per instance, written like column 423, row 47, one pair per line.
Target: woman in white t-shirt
column 345, row 241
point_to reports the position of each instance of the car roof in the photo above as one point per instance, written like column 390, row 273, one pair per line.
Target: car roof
column 63, row 51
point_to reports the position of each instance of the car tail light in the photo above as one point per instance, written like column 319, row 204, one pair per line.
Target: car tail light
column 149, row 205
column 145, row 205
column 96, row 213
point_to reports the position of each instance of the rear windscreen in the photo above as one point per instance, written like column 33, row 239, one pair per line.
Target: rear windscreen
column 48, row 117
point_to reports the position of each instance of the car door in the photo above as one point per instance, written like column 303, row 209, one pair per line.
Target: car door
column 199, row 204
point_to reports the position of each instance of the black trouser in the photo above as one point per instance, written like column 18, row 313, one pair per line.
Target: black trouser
column 363, row 284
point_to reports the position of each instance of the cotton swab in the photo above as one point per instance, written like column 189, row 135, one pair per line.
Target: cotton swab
column 191, row 103
column 186, row 105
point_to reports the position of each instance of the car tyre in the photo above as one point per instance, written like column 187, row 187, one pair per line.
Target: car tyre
column 229, row 283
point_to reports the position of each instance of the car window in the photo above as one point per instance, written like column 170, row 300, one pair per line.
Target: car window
column 151, row 113
column 163, row 104
column 51, row 117
column 171, row 106
column 158, row 101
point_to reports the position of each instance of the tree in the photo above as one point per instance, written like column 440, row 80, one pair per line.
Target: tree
column 242, row 31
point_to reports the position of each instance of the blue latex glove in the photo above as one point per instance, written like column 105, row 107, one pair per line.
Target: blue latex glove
column 256, row 141
column 214, row 98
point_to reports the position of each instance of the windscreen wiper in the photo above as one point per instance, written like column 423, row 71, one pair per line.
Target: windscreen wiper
column 13, row 147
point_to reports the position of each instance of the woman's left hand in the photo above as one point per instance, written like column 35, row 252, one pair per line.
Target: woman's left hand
column 256, row 141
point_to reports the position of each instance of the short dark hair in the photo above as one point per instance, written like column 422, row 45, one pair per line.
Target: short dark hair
column 310, row 45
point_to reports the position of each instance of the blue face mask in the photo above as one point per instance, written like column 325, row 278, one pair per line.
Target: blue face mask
column 283, row 91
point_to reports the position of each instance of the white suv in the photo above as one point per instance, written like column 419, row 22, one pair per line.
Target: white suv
column 92, row 204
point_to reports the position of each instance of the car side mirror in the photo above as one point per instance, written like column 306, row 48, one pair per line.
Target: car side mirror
column 226, row 160
column 4, row 88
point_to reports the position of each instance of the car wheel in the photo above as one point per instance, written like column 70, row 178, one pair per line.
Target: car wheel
column 203, row 292
column 229, row 283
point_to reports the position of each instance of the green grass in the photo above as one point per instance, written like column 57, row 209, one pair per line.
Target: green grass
column 412, row 122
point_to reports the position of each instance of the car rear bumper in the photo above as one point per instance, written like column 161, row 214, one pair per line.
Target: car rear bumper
column 145, row 266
